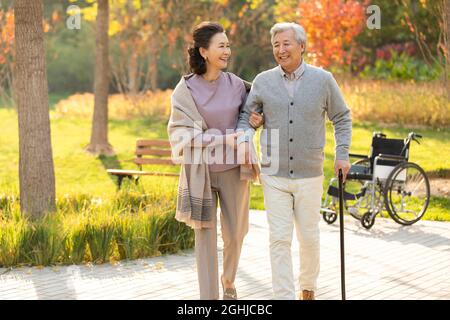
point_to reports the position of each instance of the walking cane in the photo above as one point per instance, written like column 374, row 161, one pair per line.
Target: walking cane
column 341, row 230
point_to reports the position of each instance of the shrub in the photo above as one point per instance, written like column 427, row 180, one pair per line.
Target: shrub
column 401, row 67
column 149, row 105
column 127, row 235
column 100, row 237
column 401, row 103
column 76, row 241
column 128, row 225
column 11, row 234
column 43, row 241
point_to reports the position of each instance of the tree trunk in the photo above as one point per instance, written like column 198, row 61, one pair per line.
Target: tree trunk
column 153, row 69
column 99, row 137
column 133, row 75
column 446, row 31
column 36, row 171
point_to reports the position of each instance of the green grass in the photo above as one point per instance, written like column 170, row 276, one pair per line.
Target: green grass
column 129, row 224
column 80, row 173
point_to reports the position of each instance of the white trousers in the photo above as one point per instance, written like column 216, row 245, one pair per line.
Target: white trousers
column 290, row 202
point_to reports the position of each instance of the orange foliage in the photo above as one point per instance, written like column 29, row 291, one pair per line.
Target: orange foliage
column 331, row 25
column 6, row 34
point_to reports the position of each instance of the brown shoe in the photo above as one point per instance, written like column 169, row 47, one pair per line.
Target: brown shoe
column 307, row 295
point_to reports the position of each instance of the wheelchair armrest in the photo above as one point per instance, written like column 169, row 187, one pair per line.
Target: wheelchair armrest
column 353, row 155
column 390, row 157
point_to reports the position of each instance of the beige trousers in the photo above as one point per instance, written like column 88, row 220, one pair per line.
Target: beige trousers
column 290, row 202
column 233, row 196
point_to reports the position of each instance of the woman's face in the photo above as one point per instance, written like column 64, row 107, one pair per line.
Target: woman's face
column 218, row 53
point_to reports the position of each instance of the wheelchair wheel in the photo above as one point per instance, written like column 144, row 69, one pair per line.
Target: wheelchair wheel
column 367, row 220
column 329, row 217
column 407, row 193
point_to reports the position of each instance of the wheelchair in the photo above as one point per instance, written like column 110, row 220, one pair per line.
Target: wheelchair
column 384, row 179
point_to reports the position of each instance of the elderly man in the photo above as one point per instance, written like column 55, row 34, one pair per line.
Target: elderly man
column 294, row 98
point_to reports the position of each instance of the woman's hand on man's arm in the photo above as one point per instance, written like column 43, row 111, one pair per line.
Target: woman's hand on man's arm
column 256, row 120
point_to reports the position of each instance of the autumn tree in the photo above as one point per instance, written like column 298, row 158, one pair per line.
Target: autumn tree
column 331, row 26
column 99, row 135
column 435, row 52
column 446, row 43
column 36, row 170
column 247, row 23
column 139, row 34
column 6, row 55
column 141, row 31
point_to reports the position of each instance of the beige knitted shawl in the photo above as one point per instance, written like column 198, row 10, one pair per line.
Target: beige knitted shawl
column 194, row 199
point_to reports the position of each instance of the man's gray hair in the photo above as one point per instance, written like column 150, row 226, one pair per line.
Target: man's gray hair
column 300, row 34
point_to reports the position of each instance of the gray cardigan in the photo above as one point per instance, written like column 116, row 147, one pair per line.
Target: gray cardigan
column 293, row 137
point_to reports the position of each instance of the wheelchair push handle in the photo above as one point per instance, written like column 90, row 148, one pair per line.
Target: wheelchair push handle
column 379, row 134
column 413, row 136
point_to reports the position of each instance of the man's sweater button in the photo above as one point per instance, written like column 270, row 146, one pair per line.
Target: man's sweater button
column 290, row 121
column 291, row 140
column 292, row 172
column 292, row 103
column 292, row 158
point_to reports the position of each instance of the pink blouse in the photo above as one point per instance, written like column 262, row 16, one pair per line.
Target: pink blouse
column 219, row 102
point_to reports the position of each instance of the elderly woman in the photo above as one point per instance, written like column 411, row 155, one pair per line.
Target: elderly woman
column 204, row 115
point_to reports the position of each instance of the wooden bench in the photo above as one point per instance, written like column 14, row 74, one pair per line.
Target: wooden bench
column 159, row 150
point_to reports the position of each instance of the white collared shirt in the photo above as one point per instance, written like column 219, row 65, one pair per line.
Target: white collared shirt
column 291, row 81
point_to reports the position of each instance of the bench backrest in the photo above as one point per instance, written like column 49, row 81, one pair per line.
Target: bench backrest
column 153, row 152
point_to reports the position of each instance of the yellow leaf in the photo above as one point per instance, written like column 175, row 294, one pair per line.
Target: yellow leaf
column 114, row 27
column 90, row 13
column 225, row 22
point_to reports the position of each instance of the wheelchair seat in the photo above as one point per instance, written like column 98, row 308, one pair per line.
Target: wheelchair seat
column 380, row 145
column 395, row 147
column 358, row 172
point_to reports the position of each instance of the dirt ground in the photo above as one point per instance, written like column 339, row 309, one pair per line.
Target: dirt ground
column 440, row 187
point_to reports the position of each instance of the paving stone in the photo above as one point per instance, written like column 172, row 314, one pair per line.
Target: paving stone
column 387, row 262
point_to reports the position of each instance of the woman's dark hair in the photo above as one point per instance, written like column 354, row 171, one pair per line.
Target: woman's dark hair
column 202, row 36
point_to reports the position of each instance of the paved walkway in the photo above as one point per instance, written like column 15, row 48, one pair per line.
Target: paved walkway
column 387, row 262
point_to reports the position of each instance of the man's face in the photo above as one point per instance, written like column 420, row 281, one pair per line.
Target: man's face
column 287, row 51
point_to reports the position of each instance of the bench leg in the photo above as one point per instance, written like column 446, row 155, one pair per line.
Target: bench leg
column 121, row 177
column 119, row 182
